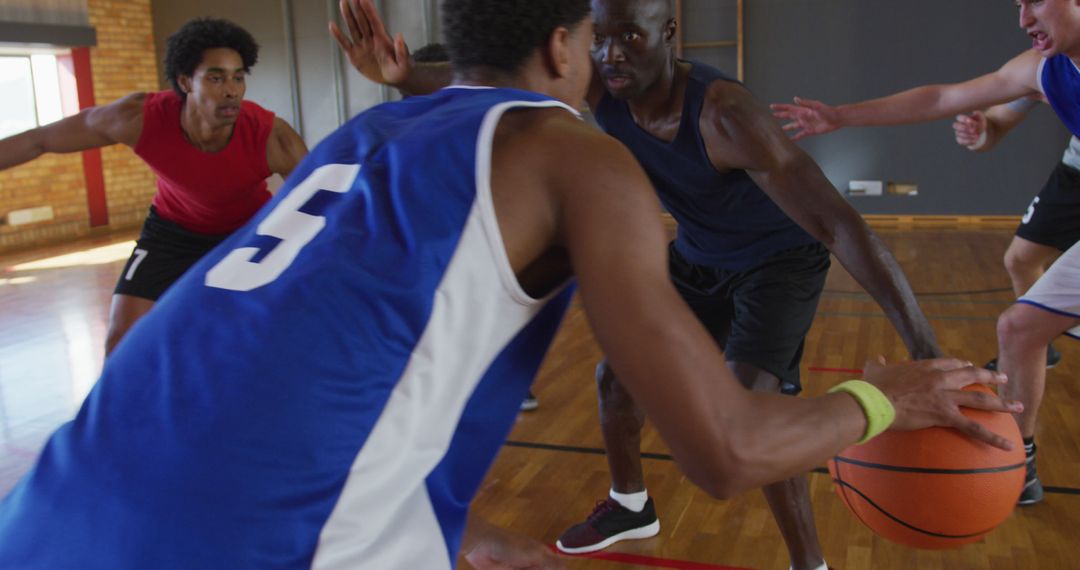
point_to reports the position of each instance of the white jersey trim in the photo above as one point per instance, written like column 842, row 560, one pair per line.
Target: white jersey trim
column 1058, row 290
column 1039, row 74
column 384, row 517
column 484, row 149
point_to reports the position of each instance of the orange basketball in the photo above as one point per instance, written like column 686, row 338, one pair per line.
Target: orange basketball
column 933, row 488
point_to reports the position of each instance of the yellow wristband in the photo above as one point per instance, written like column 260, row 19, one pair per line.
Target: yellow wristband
column 875, row 404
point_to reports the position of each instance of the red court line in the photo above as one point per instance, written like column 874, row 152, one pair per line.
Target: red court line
column 652, row 561
column 843, row 370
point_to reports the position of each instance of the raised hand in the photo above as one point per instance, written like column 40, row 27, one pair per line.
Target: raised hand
column 369, row 47
column 806, row 117
column 930, row 393
column 970, row 130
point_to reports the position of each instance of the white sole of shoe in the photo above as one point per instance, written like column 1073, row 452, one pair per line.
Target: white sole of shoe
column 647, row 531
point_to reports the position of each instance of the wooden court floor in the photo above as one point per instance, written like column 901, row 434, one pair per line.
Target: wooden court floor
column 54, row 306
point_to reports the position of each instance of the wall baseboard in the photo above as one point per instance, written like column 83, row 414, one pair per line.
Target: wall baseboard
column 938, row 222
column 907, row 222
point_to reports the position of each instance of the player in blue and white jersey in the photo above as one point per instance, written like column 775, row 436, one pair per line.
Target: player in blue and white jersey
column 1052, row 305
column 368, row 337
column 1051, row 223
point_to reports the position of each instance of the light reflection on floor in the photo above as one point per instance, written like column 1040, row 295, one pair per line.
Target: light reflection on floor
column 53, row 317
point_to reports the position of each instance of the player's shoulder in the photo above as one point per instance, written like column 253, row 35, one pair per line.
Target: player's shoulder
column 561, row 140
column 132, row 103
column 121, row 120
column 728, row 96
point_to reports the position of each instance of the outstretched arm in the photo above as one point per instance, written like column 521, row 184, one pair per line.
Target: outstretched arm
column 1015, row 79
column 980, row 132
column 117, row 122
column 725, row 438
column 383, row 59
column 285, row 149
column 739, row 133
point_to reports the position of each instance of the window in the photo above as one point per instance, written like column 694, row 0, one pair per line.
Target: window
column 30, row 90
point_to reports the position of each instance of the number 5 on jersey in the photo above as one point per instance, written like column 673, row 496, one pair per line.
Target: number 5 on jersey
column 286, row 222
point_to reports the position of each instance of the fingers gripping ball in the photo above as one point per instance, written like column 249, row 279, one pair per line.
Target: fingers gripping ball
column 932, row 488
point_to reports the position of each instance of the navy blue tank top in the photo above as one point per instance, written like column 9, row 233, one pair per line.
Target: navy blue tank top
column 725, row 220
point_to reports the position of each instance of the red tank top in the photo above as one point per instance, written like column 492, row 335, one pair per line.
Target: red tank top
column 205, row 192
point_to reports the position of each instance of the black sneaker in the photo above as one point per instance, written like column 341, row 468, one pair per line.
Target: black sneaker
column 1052, row 359
column 1052, row 356
column 530, row 402
column 609, row 523
column 1033, row 489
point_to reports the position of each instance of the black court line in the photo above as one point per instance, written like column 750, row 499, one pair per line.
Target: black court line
column 667, row 457
column 882, row 316
column 939, row 293
column 945, row 301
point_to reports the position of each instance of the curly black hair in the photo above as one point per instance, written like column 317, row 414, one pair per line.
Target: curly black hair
column 501, row 34
column 431, row 53
column 184, row 49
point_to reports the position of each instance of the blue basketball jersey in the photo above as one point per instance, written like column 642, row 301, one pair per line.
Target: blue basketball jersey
column 1060, row 81
column 325, row 389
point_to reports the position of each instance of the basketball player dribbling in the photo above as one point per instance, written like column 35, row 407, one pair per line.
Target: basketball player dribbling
column 387, row 312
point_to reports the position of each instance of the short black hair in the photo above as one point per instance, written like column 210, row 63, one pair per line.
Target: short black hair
column 431, row 53
column 184, row 49
column 501, row 34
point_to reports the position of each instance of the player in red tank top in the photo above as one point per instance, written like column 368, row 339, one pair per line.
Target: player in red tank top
column 211, row 150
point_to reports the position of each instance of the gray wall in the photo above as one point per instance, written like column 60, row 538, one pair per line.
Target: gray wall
column 60, row 12
column 834, row 50
column 840, row 51
column 321, row 110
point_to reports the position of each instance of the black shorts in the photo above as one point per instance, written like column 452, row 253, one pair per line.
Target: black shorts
column 1053, row 218
column 163, row 253
column 759, row 316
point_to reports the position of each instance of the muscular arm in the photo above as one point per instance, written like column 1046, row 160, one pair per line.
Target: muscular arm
column 605, row 215
column 1013, row 80
column 285, row 149
column 739, row 133
column 610, row 224
column 117, row 122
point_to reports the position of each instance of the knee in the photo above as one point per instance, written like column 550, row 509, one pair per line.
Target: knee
column 1016, row 328
column 615, row 401
column 1015, row 262
column 1019, row 261
column 606, row 383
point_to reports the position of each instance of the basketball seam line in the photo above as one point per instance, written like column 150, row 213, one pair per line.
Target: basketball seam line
column 910, row 526
column 933, row 471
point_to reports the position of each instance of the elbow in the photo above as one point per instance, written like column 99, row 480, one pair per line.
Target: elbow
column 721, row 471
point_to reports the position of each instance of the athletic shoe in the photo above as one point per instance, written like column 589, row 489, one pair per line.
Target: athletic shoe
column 1052, row 356
column 609, row 523
column 530, row 402
column 1033, row 489
column 1052, row 359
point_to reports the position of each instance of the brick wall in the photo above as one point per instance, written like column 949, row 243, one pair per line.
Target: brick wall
column 123, row 62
